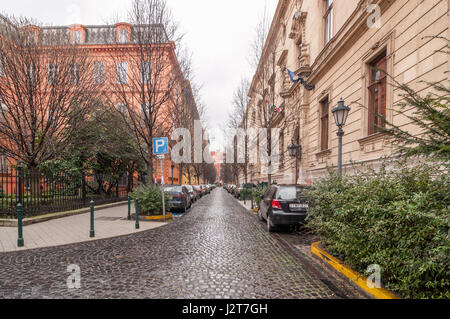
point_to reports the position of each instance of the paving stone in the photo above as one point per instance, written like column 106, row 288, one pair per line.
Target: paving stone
column 218, row 250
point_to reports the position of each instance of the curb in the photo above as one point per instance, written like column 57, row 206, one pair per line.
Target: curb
column 45, row 218
column 355, row 277
column 157, row 218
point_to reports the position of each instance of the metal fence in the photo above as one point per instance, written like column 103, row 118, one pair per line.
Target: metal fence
column 48, row 192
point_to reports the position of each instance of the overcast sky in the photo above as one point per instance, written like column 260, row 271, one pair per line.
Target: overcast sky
column 218, row 32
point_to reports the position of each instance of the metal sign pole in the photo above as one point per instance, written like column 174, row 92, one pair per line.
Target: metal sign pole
column 161, row 157
column 161, row 147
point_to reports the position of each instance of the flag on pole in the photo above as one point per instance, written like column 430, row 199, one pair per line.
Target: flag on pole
column 294, row 77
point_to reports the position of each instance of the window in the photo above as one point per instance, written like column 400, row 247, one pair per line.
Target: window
column 99, row 72
column 328, row 20
column 122, row 73
column 324, row 124
column 76, row 35
column 3, row 107
column 4, row 163
column 30, row 75
column 30, row 39
column 122, row 108
column 75, row 73
column 145, row 108
column 2, row 69
column 123, row 36
column 146, row 72
column 52, row 73
column 377, row 94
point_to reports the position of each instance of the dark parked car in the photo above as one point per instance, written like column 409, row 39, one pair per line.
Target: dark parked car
column 180, row 199
column 284, row 205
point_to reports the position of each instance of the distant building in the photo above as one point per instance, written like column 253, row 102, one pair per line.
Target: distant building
column 218, row 158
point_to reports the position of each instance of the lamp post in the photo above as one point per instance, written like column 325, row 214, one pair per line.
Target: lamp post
column 295, row 151
column 340, row 117
column 173, row 166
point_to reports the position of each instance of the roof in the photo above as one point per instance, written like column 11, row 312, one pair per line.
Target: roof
column 106, row 34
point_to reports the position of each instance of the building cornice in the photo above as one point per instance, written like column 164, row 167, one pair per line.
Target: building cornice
column 356, row 24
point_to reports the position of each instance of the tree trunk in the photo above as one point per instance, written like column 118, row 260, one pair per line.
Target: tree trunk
column 35, row 178
column 150, row 179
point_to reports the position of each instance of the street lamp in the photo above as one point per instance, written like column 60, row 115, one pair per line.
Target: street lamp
column 173, row 166
column 340, row 117
column 294, row 151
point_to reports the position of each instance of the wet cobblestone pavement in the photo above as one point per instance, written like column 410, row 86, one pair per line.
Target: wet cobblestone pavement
column 218, row 250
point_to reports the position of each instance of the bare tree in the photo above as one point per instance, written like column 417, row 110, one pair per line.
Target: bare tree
column 185, row 112
column 269, row 106
column 44, row 82
column 148, row 74
column 238, row 119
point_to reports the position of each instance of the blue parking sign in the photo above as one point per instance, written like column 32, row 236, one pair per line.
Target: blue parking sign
column 160, row 145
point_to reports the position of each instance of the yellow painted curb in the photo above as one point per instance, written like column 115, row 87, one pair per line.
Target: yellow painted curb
column 356, row 278
column 159, row 218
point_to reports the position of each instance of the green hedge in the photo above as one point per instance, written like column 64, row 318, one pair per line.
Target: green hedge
column 150, row 200
column 258, row 194
column 396, row 219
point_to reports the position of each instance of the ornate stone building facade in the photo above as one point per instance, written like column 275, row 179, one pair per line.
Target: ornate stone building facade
column 338, row 48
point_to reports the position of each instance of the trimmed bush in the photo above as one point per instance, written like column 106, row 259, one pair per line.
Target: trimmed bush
column 258, row 193
column 397, row 219
column 150, row 201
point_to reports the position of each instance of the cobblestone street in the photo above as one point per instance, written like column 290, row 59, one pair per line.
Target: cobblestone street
column 218, row 250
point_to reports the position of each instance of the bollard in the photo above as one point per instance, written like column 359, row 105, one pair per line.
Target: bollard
column 20, row 241
column 92, row 232
column 129, row 207
column 136, row 204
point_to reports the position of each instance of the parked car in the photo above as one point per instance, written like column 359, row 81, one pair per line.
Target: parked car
column 284, row 205
column 204, row 190
column 231, row 189
column 180, row 199
column 192, row 193
column 198, row 190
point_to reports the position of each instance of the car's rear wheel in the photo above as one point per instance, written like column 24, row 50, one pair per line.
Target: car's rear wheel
column 270, row 227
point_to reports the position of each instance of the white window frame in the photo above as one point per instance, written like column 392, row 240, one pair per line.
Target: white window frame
column 122, row 72
column 123, row 36
column 75, row 73
column 145, row 107
column 3, row 106
column 4, row 163
column 2, row 69
column 52, row 73
column 76, row 37
column 122, row 107
column 99, row 72
column 146, row 72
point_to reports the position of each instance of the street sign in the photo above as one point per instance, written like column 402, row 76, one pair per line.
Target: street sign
column 160, row 145
column 161, row 157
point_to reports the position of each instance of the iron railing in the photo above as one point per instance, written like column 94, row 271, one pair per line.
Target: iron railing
column 43, row 193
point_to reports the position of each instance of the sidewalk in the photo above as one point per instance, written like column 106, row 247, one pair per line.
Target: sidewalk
column 111, row 222
column 247, row 204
